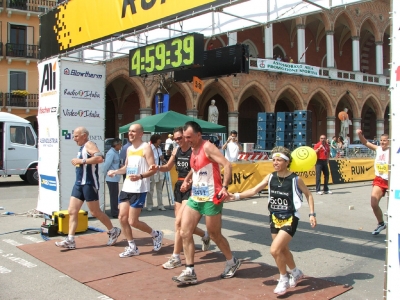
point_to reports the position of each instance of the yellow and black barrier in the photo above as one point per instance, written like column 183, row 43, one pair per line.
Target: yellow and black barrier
column 246, row 175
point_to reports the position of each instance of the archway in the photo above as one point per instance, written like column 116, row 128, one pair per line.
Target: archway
column 249, row 109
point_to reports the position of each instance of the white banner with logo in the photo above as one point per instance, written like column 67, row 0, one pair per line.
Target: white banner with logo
column 393, row 259
column 285, row 67
column 48, row 140
column 71, row 95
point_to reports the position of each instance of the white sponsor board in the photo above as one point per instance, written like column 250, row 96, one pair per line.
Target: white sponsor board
column 77, row 99
column 284, row 67
column 393, row 259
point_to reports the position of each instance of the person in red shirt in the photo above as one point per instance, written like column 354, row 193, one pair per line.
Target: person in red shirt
column 322, row 150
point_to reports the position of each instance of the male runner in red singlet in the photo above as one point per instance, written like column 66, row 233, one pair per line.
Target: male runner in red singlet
column 208, row 194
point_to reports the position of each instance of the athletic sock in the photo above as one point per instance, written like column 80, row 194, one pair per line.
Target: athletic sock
column 176, row 255
column 190, row 268
column 381, row 223
column 154, row 233
column 284, row 277
column 71, row 237
column 132, row 244
column 231, row 261
column 205, row 235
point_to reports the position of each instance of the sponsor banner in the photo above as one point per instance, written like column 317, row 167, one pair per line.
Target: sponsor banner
column 48, row 182
column 393, row 244
column 74, row 23
column 284, row 67
column 47, row 110
column 48, row 200
column 82, row 114
column 82, row 84
column 247, row 175
column 49, row 84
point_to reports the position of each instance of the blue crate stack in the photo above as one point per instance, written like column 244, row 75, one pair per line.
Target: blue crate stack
column 265, row 131
column 284, row 129
column 302, row 128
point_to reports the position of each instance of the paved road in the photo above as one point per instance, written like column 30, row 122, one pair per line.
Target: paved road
column 340, row 249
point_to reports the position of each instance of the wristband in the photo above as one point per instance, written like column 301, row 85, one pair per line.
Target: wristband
column 224, row 186
column 141, row 176
column 237, row 196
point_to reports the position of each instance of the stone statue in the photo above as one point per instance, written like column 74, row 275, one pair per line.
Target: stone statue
column 344, row 128
column 213, row 113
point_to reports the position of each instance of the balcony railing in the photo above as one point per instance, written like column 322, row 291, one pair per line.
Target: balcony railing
column 40, row 6
column 32, row 100
column 22, row 50
column 334, row 74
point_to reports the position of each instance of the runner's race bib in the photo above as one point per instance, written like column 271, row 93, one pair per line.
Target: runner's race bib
column 382, row 168
column 132, row 170
column 200, row 193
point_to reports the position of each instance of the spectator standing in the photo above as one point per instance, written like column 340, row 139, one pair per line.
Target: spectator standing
column 340, row 147
column 333, row 147
column 232, row 147
column 168, row 142
column 323, row 151
column 112, row 162
column 122, row 157
column 157, row 179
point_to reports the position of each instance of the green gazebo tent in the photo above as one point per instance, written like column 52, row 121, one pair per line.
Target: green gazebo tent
column 166, row 122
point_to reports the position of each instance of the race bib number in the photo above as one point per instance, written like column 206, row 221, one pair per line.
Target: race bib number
column 132, row 170
column 382, row 169
column 200, row 193
column 280, row 223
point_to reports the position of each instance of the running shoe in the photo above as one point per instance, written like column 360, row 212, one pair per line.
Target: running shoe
column 129, row 252
column 230, row 271
column 157, row 241
column 113, row 235
column 294, row 279
column 66, row 243
column 187, row 276
column 379, row 229
column 161, row 208
column 206, row 243
column 173, row 262
column 320, row 193
column 282, row 287
column 328, row 192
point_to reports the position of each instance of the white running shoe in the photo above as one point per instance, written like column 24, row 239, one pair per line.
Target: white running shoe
column 186, row 276
column 294, row 279
column 282, row 287
column 66, row 243
column 173, row 262
column 113, row 235
column 129, row 252
column 230, row 271
column 157, row 241
column 379, row 229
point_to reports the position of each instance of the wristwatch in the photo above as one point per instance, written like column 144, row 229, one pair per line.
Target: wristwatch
column 312, row 215
column 224, row 186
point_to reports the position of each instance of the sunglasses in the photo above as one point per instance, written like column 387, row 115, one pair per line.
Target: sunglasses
column 178, row 138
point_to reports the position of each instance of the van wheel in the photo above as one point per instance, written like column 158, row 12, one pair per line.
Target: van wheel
column 23, row 177
column 32, row 176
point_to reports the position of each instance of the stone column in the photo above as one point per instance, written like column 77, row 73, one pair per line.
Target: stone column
column 192, row 113
column 356, row 53
column 356, row 125
column 232, row 38
column 268, row 42
column 379, row 58
column 380, row 128
column 301, row 44
column 145, row 112
column 233, row 121
column 330, row 54
column 330, row 127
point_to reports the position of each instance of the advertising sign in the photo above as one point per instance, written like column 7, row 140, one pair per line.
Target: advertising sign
column 285, row 67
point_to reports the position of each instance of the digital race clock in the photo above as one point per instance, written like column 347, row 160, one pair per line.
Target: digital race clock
column 177, row 53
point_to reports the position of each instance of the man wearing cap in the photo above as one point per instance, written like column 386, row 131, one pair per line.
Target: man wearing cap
column 168, row 142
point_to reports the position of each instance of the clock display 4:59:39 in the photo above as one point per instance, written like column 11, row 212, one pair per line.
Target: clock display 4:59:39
column 179, row 52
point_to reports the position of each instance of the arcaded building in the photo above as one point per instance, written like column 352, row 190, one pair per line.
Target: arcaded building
column 348, row 46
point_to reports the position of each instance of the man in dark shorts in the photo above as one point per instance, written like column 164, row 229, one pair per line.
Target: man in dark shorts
column 181, row 159
column 139, row 157
column 380, row 183
column 86, row 188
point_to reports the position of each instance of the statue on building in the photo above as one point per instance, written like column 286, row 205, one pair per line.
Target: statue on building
column 346, row 122
column 213, row 113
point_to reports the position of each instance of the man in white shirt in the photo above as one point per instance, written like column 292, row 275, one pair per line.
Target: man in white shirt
column 168, row 142
column 232, row 147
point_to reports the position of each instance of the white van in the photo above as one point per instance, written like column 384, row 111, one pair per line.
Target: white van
column 18, row 148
